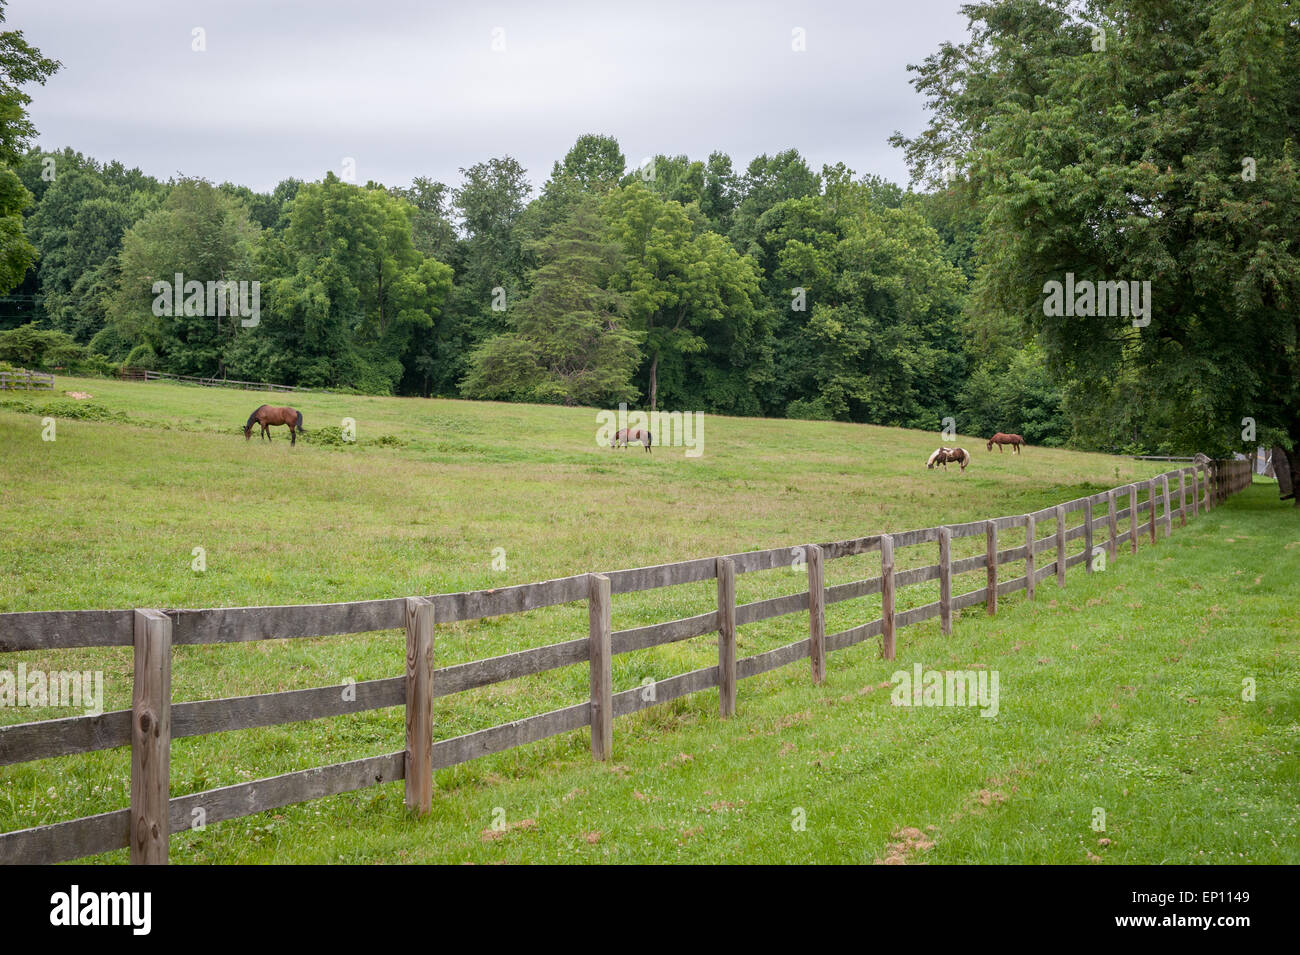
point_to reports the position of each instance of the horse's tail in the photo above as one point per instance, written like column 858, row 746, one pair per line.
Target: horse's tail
column 253, row 417
column 300, row 422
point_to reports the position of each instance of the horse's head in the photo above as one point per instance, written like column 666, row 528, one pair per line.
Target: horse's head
column 989, row 446
column 248, row 432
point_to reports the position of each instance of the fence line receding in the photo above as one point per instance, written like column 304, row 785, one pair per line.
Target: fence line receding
column 154, row 720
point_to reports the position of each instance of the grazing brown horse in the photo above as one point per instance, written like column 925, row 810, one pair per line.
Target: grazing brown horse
column 944, row 455
column 1000, row 439
column 633, row 434
column 268, row 415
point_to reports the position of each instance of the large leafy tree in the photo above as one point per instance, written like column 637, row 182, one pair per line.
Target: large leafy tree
column 489, row 203
column 569, row 341
column 689, row 292
column 1159, row 150
column 20, row 64
column 871, row 332
column 204, row 235
column 592, row 167
column 77, row 229
column 433, row 232
column 769, row 180
column 490, row 267
column 350, row 300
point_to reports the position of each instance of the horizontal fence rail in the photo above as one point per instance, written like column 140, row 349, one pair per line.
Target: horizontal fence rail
column 26, row 381
column 1141, row 509
column 143, row 374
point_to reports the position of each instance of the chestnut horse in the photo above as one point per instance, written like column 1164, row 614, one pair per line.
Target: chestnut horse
column 268, row 415
column 1000, row 439
column 944, row 455
column 633, row 434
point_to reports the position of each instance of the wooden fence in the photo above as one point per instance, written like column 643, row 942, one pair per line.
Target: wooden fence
column 26, row 380
column 142, row 374
column 154, row 720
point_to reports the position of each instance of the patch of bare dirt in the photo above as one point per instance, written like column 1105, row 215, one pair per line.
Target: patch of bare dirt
column 909, row 843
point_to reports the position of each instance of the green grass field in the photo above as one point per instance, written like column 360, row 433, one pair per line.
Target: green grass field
column 1121, row 692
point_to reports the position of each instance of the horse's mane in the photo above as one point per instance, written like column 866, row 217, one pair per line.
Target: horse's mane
column 253, row 416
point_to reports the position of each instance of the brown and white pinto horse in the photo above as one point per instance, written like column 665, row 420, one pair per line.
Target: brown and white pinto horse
column 633, row 434
column 268, row 415
column 1000, row 439
column 944, row 455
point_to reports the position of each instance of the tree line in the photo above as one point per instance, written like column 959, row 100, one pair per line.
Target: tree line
column 777, row 290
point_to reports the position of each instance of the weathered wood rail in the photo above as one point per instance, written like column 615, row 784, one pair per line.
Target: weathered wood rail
column 154, row 720
column 26, row 380
column 143, row 374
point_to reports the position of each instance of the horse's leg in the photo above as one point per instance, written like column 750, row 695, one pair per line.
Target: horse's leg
column 293, row 437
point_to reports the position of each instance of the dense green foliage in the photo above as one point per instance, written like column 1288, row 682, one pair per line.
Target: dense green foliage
column 1134, row 141
column 778, row 291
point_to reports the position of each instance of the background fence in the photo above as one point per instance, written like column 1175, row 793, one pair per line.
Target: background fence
column 142, row 374
column 26, row 380
column 154, row 720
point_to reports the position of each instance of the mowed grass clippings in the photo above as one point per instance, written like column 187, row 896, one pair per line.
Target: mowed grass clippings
column 441, row 496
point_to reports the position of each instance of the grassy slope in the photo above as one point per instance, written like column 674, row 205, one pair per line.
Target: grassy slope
column 108, row 514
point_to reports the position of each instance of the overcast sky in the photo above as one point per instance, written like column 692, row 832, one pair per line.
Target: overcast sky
column 408, row 88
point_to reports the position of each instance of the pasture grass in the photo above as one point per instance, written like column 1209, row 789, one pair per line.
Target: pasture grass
column 1121, row 691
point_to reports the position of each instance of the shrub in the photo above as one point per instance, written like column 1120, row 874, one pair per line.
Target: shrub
column 142, row 356
column 33, row 347
column 814, row 410
column 64, row 408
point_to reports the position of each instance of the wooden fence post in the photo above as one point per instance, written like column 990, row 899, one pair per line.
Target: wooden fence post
column 1133, row 518
column 419, row 705
column 991, row 563
column 816, row 613
column 151, row 738
column 1087, row 535
column 1059, row 513
column 1029, row 555
column 1196, row 493
column 1169, row 512
column 1151, row 516
column 1112, row 525
column 726, row 637
column 945, row 580
column 1209, row 486
column 1182, row 497
column 602, row 677
column 887, row 596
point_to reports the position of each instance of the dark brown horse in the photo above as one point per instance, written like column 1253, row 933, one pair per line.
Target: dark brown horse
column 944, row 455
column 268, row 415
column 1000, row 439
column 633, row 434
